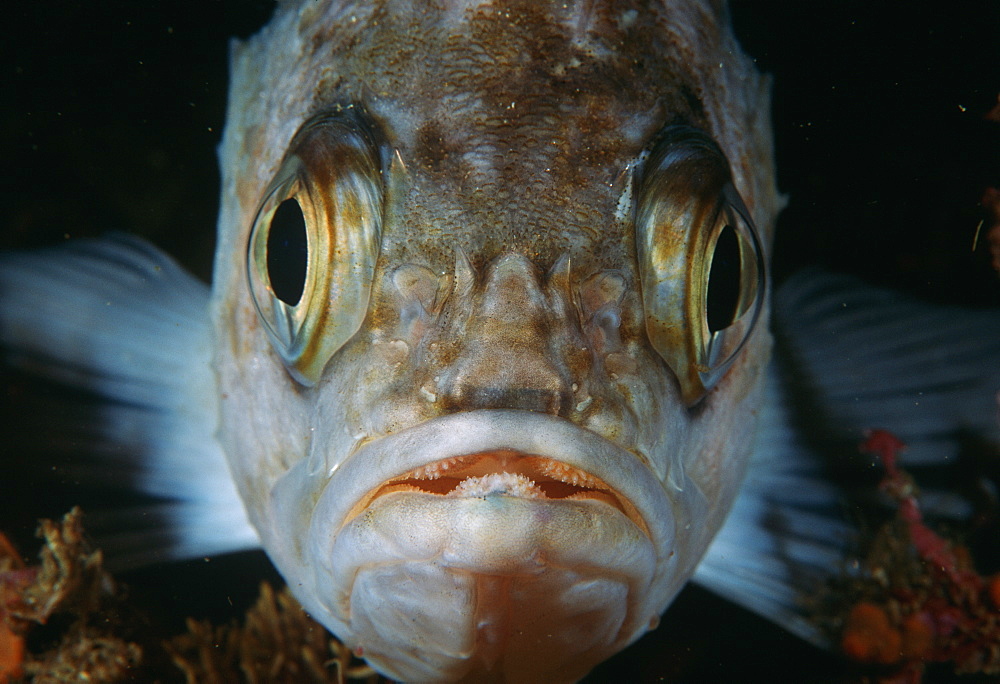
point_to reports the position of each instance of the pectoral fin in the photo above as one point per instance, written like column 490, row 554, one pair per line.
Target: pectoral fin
column 109, row 341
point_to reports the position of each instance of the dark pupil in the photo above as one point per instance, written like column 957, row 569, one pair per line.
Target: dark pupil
column 724, row 281
column 286, row 252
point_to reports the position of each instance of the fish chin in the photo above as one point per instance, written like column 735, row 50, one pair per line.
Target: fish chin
column 503, row 583
column 494, row 541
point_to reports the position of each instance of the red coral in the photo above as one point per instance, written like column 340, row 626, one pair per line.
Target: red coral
column 994, row 591
column 991, row 203
column 869, row 636
column 922, row 600
column 13, row 578
column 930, row 547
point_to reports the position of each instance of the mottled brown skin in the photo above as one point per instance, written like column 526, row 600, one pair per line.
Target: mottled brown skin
column 507, row 276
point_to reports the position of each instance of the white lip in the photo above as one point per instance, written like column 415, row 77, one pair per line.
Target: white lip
column 471, row 432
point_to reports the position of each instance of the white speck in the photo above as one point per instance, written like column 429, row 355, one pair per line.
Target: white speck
column 627, row 18
column 428, row 395
column 582, row 406
column 399, row 346
column 624, row 208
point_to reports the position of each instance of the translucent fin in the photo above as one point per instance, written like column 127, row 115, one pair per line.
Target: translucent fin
column 850, row 357
column 110, row 344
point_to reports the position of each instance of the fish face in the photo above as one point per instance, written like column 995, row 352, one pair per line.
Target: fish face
column 488, row 302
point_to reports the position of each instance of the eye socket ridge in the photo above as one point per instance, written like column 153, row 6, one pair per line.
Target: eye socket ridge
column 332, row 173
column 683, row 160
column 700, row 260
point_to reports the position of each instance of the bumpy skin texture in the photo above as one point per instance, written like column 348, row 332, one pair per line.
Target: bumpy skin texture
column 504, row 316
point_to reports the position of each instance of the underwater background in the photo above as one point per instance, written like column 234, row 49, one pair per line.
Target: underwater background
column 111, row 111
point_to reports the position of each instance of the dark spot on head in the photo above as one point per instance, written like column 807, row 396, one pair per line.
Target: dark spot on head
column 694, row 103
column 431, row 150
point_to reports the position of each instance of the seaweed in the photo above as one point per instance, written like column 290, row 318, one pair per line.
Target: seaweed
column 277, row 642
column 67, row 619
column 61, row 618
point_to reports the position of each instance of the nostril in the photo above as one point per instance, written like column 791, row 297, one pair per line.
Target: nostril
column 603, row 291
column 608, row 322
column 417, row 284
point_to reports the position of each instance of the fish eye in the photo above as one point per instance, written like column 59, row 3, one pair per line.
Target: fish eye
column 315, row 239
column 723, row 281
column 287, row 251
column 701, row 263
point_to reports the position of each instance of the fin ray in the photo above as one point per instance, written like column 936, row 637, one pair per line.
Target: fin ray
column 124, row 333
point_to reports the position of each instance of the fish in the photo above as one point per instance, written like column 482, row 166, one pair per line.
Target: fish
column 486, row 358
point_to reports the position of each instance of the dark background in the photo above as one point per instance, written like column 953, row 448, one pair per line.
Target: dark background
column 112, row 110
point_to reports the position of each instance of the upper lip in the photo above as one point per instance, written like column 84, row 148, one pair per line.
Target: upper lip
column 560, row 458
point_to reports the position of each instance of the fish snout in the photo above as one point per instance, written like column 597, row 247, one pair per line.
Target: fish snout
column 506, row 355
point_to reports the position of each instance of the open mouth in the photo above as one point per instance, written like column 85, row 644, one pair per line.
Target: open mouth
column 504, row 472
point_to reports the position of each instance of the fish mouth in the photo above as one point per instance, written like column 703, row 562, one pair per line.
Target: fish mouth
column 496, row 454
column 503, row 472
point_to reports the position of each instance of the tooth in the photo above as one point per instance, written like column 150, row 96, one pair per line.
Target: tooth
column 510, row 484
column 569, row 474
column 434, row 470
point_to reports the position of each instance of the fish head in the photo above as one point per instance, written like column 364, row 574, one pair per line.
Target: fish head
column 490, row 299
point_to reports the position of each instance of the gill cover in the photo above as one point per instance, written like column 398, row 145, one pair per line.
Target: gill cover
column 315, row 239
column 701, row 263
